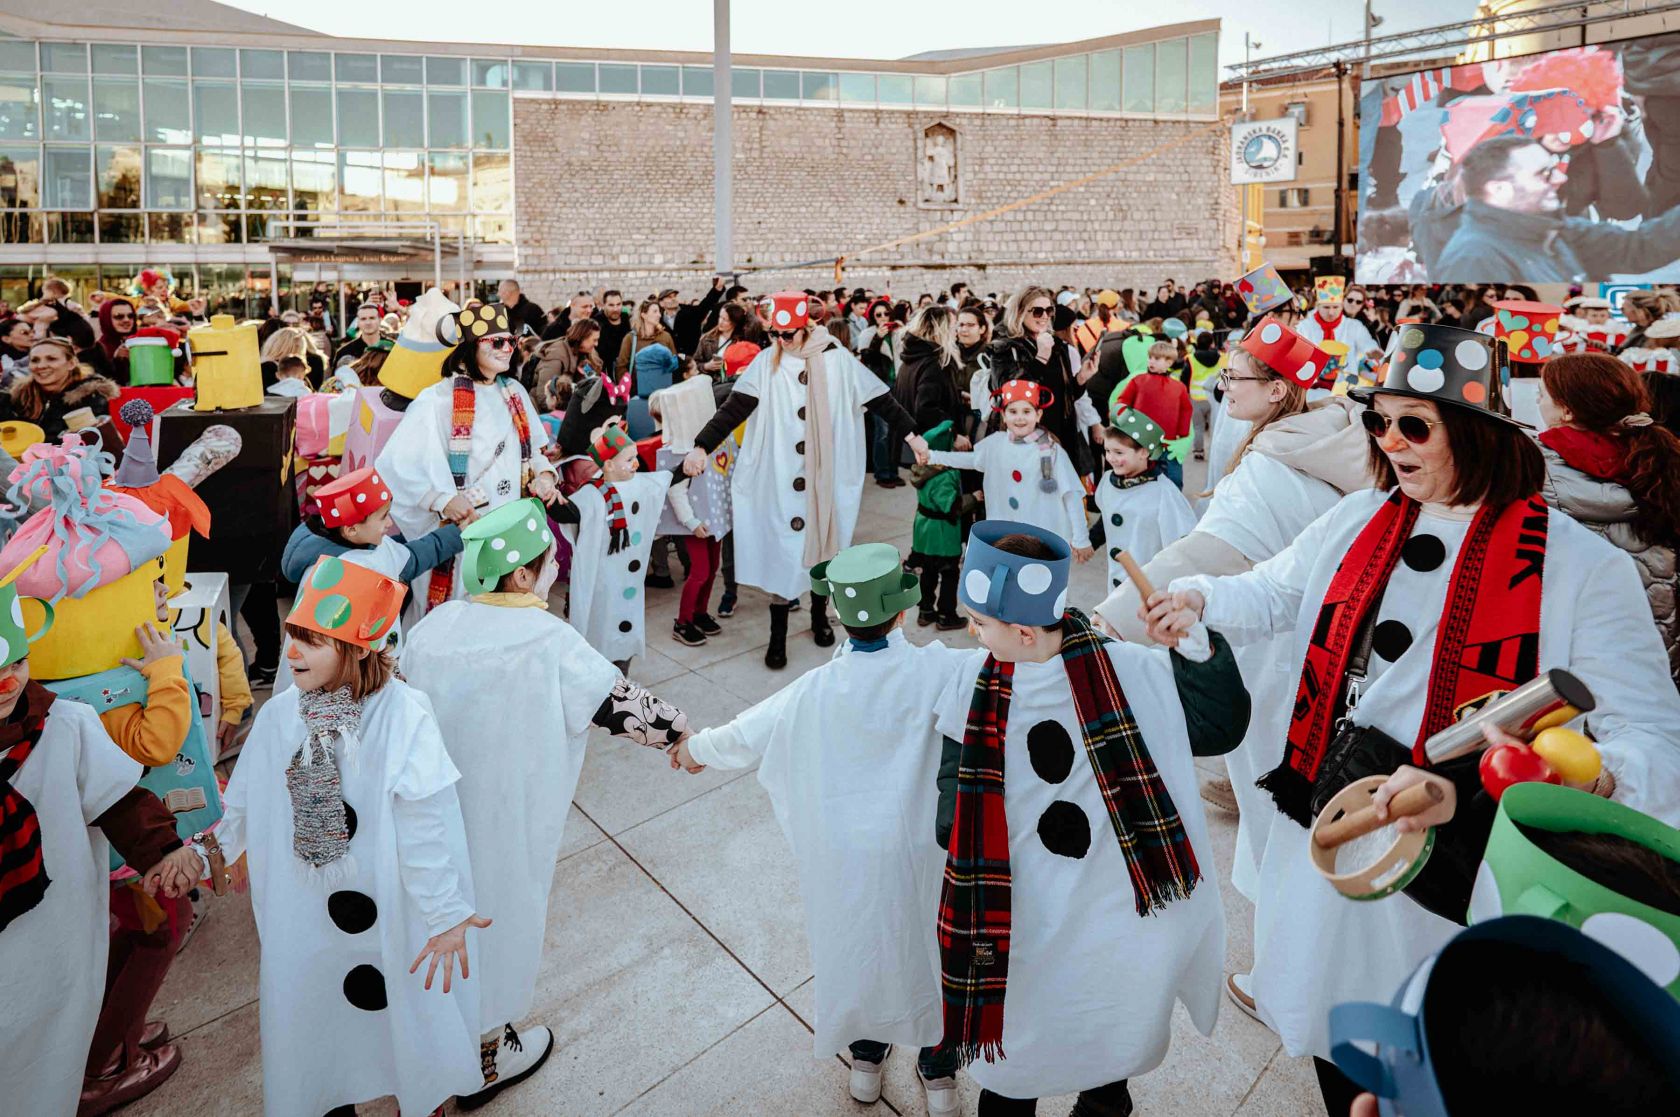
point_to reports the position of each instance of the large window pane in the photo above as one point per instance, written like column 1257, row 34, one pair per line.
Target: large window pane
column 115, row 59
column 697, row 81
column 661, row 81
column 19, row 109
column 315, row 181
column 20, row 177
column 965, row 90
column 220, row 179
column 442, row 70
column 168, row 111
column 1070, row 82
column 618, row 78
column 17, row 57
column 360, row 179
column 781, row 85
column 1171, row 68
column 117, row 178
column 405, row 181
column 447, row 126
column 264, row 65
column 1140, row 79
column 64, row 58
column 169, row 178
column 214, row 62
column 167, row 62
column 1002, row 88
column 1036, row 81
column 218, row 228
column 492, row 127
column 1204, row 74
column 446, row 186
column 745, row 82
column 122, row 228
column 216, row 111
column 67, row 178
column 405, row 117
column 65, row 104
column 930, row 89
column 265, row 181
column 402, row 69
column 859, row 88
column 492, row 73
column 814, row 85
column 169, row 228
column 70, row 228
column 265, row 115
column 309, row 65
column 116, row 110
column 356, row 67
column 312, row 116
column 22, row 228
column 358, row 117
column 574, row 77
column 1105, row 81
column 894, row 89
column 492, row 183
column 533, row 75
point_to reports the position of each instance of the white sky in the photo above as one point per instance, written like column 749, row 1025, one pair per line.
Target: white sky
column 852, row 28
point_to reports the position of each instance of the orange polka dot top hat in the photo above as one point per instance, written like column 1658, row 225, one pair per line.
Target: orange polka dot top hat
column 352, row 498
column 1447, row 365
column 1015, row 589
column 347, row 602
column 788, row 310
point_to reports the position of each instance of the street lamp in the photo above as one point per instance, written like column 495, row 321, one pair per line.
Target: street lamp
column 1249, row 46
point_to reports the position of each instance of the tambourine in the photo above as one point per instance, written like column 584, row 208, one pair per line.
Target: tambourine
column 1349, row 848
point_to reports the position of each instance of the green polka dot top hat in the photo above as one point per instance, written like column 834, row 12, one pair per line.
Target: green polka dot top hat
column 15, row 638
column 347, row 602
column 1448, row 365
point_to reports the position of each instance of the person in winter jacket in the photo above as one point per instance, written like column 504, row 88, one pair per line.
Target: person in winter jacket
column 1030, row 352
column 57, row 384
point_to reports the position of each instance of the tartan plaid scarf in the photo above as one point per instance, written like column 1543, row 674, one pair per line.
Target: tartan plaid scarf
column 1488, row 639
column 23, row 875
column 464, row 401
column 974, row 905
column 618, row 524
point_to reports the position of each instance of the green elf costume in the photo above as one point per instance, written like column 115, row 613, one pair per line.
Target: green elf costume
column 936, row 534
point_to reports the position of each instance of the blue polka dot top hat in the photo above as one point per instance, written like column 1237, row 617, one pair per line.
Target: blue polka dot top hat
column 1447, row 365
column 1015, row 589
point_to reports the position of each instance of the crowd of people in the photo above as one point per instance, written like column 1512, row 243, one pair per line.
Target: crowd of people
column 1007, row 865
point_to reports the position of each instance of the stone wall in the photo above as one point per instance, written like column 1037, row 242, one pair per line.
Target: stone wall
column 620, row 193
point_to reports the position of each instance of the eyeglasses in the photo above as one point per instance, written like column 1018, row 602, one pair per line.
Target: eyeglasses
column 499, row 342
column 1351, row 301
column 1413, row 428
column 1037, row 311
column 785, row 335
column 1226, row 380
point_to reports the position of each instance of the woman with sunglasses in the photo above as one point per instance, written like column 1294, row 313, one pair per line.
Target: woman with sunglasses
column 1462, row 583
column 108, row 356
column 468, row 444
column 1027, row 349
column 798, row 482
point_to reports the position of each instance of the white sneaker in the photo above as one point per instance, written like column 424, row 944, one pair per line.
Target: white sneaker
column 866, row 1079
column 508, row 1061
column 942, row 1100
column 1237, row 987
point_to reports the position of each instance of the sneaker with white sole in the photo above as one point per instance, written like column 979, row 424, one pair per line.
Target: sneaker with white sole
column 866, row 1079
column 508, row 1061
column 1237, row 989
column 942, row 1099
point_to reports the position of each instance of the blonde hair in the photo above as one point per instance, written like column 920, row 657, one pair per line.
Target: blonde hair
column 1654, row 303
column 287, row 341
column 27, row 396
column 1165, row 349
column 1014, row 315
column 937, row 325
column 1294, row 402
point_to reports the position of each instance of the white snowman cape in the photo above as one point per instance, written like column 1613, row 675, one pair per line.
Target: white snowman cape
column 856, row 799
column 1349, row 331
column 1315, row 948
column 1010, row 475
column 388, row 558
column 1259, row 509
column 1091, row 982
column 52, row 957
column 514, row 690
column 770, row 513
column 1140, row 519
column 342, row 1019
column 415, row 461
column 607, row 598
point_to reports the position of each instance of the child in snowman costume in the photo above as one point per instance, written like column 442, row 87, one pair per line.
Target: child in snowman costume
column 856, row 805
column 1027, row 475
column 1075, row 909
column 519, row 755
column 67, row 797
column 617, row 512
column 1139, row 516
column 344, row 802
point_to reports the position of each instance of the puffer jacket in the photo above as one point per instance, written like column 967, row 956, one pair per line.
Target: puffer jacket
column 1607, row 508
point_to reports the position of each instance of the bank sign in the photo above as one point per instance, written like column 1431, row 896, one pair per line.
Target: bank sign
column 1263, row 150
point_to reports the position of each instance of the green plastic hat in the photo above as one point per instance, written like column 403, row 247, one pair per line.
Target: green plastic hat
column 500, row 542
column 1142, row 430
column 13, row 635
column 867, row 583
column 1517, row 877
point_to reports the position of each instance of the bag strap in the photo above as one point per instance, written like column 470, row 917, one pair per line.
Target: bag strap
column 1360, row 660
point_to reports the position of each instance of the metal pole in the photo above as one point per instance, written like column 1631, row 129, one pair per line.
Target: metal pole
column 1341, row 161
column 1245, row 74
column 1365, row 66
column 723, row 183
column 437, row 256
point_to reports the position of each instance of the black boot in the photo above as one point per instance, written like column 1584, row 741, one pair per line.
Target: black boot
column 775, row 656
column 821, row 631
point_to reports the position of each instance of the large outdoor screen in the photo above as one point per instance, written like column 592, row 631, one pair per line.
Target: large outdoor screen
column 1547, row 168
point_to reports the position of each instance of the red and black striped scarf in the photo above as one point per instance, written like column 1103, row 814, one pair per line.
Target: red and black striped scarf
column 618, row 524
column 23, row 875
column 1488, row 639
column 974, row 905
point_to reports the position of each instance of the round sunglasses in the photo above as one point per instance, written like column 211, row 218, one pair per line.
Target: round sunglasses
column 1413, row 428
column 785, row 335
column 499, row 342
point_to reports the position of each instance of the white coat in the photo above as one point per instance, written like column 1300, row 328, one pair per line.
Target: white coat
column 607, row 600
column 1011, row 473
column 1349, row 331
column 1140, row 519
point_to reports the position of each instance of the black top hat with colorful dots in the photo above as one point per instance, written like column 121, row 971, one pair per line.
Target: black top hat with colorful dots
column 1448, row 365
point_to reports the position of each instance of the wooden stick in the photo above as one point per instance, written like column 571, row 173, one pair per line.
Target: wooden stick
column 1135, row 573
column 1356, row 824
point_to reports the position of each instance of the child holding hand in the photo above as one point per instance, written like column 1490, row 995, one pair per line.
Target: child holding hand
column 1139, row 514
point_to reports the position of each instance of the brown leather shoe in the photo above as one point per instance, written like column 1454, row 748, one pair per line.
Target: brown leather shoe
column 154, row 1035
column 1217, row 793
column 145, row 1072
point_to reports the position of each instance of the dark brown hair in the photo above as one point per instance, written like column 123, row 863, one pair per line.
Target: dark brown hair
column 1494, row 463
column 577, row 331
column 1620, row 864
column 364, row 671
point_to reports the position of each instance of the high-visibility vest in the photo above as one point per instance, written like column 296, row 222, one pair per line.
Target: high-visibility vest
column 1200, row 374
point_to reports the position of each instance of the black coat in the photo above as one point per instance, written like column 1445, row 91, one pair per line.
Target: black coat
column 928, row 386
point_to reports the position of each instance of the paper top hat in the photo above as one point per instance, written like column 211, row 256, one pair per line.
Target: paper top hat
column 787, row 310
column 348, row 602
column 139, row 463
column 16, row 436
column 1263, row 289
column 1528, row 329
column 738, row 356
column 1023, row 391
column 473, row 323
column 1328, row 287
column 1518, row 877
column 352, row 498
column 1402, row 1071
column 1448, row 365
column 610, row 443
column 867, row 583
column 500, row 542
column 1141, row 429
column 1015, row 589
column 1285, row 352
column 14, row 635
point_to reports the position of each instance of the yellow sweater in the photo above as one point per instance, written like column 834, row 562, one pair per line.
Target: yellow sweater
column 152, row 732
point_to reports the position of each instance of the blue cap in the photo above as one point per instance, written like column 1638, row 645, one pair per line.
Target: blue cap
column 1015, row 589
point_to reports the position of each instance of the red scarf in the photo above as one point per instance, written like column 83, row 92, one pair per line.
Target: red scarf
column 23, row 874
column 618, row 525
column 1329, row 328
column 1599, row 456
column 1488, row 639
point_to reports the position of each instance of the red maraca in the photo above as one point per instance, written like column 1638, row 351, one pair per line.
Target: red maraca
column 1503, row 765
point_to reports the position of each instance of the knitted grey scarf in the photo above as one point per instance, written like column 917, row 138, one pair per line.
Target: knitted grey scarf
column 320, row 832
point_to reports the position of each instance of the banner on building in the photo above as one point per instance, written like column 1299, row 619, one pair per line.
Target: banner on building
column 1264, row 150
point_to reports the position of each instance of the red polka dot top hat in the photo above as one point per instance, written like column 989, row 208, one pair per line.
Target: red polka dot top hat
column 347, row 602
column 1285, row 352
column 1448, row 365
column 1023, row 391
column 352, row 498
column 788, row 310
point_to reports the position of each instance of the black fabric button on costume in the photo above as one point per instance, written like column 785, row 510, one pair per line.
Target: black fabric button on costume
column 635, row 565
column 1117, row 519
column 1051, row 751
column 364, row 988
column 797, row 523
column 1064, row 829
column 349, row 822
column 635, row 507
column 799, row 447
column 801, row 414
column 352, row 912
column 799, row 484
column 625, row 626
column 1391, row 639
column 804, row 377
column 1423, row 552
